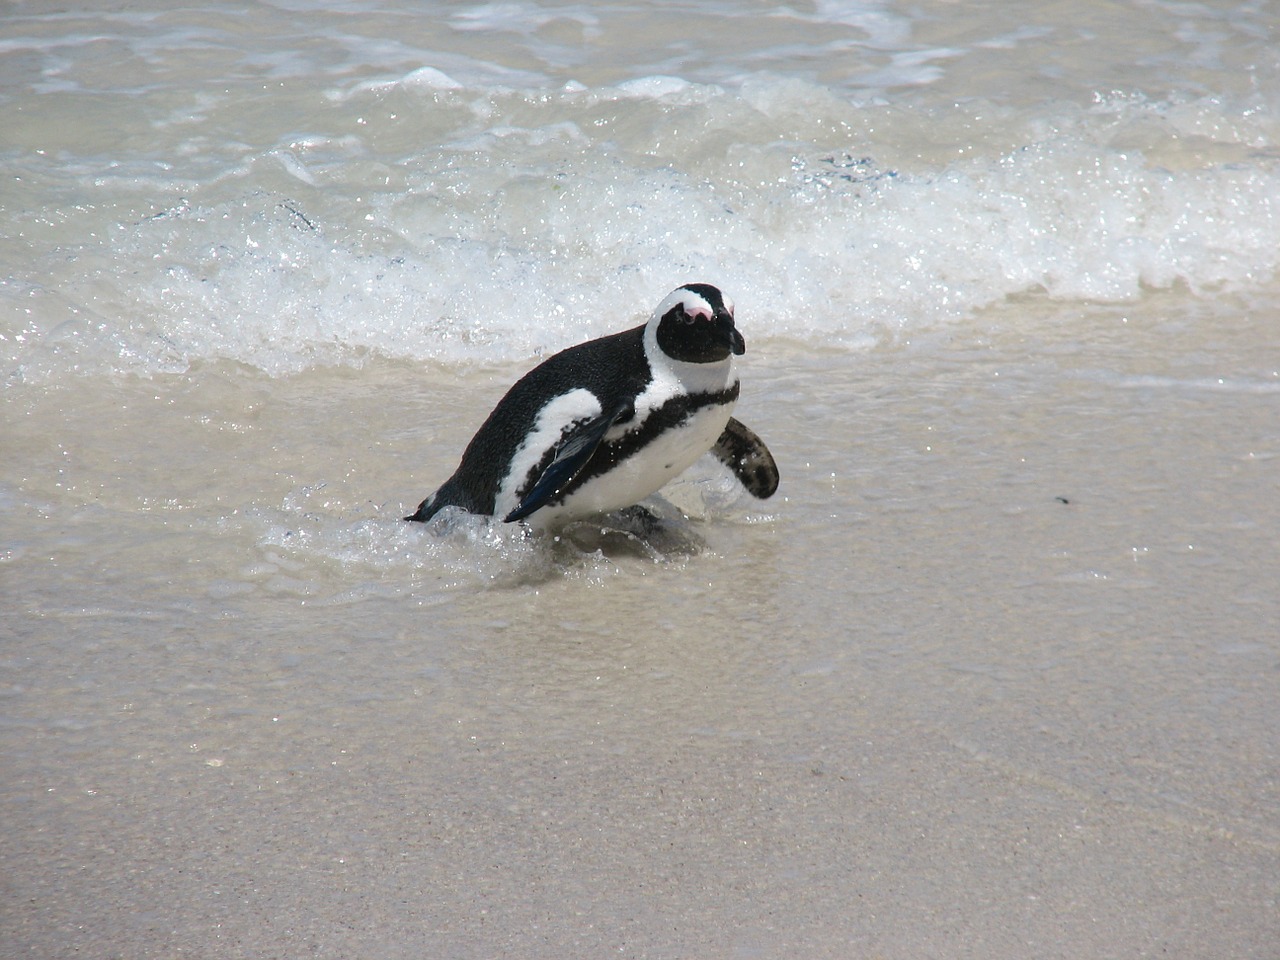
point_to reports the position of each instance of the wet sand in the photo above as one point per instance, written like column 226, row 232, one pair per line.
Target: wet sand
column 995, row 677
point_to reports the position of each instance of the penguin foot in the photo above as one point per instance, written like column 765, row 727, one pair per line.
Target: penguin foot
column 640, row 520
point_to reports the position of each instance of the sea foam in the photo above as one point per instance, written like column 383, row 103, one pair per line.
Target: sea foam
column 466, row 210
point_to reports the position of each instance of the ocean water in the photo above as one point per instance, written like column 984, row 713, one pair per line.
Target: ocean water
column 996, row 672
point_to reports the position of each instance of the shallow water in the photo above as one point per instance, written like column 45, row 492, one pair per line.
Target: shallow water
column 993, row 675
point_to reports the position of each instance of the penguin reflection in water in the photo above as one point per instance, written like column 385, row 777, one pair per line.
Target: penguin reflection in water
column 600, row 426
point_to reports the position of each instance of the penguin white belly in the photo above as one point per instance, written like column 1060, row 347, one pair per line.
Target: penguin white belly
column 643, row 473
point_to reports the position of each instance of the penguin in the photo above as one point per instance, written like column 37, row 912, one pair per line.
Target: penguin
column 604, row 424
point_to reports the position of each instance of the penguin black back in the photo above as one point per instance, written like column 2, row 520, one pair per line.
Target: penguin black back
column 595, row 365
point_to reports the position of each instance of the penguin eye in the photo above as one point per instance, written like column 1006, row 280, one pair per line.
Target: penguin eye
column 688, row 317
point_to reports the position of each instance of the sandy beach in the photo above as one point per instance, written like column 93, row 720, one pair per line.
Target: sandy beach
column 995, row 678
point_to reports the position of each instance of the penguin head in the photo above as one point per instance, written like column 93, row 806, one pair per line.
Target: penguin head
column 694, row 324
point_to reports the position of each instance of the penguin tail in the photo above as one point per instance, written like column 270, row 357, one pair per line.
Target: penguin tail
column 426, row 510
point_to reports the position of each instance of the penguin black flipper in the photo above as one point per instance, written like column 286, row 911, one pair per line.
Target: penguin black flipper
column 571, row 456
column 739, row 449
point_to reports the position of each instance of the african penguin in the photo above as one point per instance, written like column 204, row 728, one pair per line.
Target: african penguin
column 602, row 425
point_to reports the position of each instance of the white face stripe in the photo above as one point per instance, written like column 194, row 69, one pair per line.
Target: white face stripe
column 557, row 416
column 691, row 301
column 694, row 304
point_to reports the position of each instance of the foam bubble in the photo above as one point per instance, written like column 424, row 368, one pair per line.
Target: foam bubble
column 656, row 87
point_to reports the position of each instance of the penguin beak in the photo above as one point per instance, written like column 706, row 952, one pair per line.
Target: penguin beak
column 736, row 343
